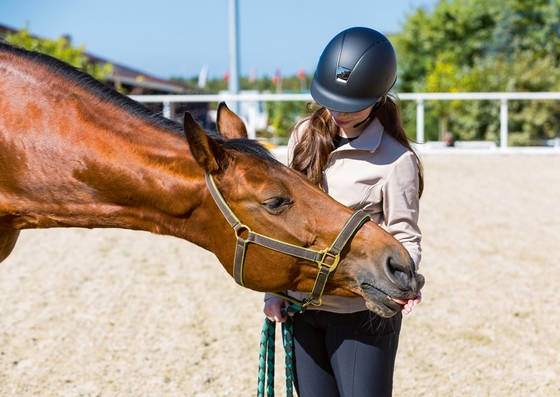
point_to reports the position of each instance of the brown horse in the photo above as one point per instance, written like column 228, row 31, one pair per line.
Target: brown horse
column 75, row 153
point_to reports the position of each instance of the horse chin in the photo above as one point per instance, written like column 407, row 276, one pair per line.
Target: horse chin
column 381, row 310
column 379, row 302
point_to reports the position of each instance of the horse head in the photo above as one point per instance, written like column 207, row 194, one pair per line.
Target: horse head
column 275, row 201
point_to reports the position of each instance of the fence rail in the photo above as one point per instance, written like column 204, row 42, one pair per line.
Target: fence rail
column 420, row 98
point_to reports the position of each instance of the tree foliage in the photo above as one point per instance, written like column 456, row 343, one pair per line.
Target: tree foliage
column 490, row 46
column 264, row 84
column 62, row 49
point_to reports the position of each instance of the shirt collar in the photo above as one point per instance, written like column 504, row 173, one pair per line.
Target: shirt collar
column 368, row 140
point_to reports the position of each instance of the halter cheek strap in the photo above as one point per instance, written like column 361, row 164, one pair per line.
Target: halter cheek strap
column 327, row 259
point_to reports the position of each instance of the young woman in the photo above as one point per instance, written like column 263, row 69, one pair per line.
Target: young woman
column 355, row 148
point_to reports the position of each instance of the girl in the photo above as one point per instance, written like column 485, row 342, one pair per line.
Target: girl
column 355, row 148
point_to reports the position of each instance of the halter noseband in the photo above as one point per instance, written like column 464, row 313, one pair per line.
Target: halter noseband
column 327, row 259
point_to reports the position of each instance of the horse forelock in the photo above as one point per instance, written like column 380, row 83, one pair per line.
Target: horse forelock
column 252, row 148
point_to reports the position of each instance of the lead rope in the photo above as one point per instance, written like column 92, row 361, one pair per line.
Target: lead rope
column 266, row 359
column 266, row 356
column 288, row 338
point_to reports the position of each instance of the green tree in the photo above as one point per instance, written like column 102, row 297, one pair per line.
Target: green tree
column 282, row 118
column 61, row 48
column 473, row 46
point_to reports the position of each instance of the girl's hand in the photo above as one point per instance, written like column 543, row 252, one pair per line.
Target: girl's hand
column 409, row 304
column 272, row 309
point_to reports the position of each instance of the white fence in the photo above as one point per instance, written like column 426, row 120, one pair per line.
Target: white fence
column 419, row 98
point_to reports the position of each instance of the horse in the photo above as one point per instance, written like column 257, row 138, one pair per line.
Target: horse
column 76, row 153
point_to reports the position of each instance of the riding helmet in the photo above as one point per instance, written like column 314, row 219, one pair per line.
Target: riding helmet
column 356, row 68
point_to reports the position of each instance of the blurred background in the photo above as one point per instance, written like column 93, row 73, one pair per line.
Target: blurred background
column 251, row 47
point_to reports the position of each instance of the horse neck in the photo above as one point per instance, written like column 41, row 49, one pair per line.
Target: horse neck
column 97, row 167
column 153, row 183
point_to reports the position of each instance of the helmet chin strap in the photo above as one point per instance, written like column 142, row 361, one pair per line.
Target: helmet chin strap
column 374, row 109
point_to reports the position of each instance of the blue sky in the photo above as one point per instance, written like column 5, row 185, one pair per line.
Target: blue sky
column 169, row 38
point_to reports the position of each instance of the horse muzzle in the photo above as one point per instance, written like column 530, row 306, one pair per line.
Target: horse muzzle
column 397, row 281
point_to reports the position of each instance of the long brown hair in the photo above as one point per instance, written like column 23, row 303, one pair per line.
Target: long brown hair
column 317, row 140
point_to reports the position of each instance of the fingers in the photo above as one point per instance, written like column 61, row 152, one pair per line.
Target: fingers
column 272, row 309
column 409, row 304
column 407, row 308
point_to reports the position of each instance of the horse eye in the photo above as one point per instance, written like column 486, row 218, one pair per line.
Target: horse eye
column 276, row 203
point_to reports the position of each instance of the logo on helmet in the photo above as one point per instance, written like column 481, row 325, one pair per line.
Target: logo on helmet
column 342, row 74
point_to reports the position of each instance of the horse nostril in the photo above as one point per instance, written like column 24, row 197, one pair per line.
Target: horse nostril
column 399, row 273
column 401, row 277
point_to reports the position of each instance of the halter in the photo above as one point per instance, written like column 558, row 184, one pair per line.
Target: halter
column 327, row 260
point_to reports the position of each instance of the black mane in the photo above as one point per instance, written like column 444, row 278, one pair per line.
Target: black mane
column 108, row 94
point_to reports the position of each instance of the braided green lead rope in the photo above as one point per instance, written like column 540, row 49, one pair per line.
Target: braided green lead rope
column 266, row 359
column 266, row 356
column 287, row 337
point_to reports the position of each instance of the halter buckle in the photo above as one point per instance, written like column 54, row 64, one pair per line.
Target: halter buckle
column 329, row 260
column 327, row 264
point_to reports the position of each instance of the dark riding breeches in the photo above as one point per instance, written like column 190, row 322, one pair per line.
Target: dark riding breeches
column 345, row 355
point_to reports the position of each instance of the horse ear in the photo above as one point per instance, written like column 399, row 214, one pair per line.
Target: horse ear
column 208, row 153
column 229, row 124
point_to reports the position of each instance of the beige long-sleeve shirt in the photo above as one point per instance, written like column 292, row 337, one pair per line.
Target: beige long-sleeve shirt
column 377, row 174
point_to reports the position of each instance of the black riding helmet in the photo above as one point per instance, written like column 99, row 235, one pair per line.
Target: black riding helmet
column 356, row 68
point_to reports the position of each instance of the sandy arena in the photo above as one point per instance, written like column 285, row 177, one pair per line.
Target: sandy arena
column 104, row 313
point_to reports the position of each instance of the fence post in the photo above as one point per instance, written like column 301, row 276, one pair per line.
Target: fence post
column 420, row 120
column 167, row 109
column 504, row 123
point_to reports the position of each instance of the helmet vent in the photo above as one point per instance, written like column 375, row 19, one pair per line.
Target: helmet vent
column 342, row 74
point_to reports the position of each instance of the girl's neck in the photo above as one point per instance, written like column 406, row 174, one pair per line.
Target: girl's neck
column 351, row 132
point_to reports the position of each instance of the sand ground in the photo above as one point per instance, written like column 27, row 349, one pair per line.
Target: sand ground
column 121, row 313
